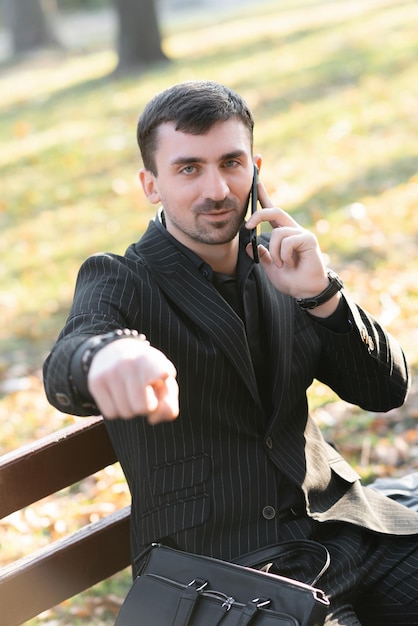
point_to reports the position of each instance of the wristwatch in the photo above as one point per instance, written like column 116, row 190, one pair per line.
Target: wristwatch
column 335, row 285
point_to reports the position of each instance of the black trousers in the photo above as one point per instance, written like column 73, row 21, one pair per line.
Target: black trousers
column 372, row 579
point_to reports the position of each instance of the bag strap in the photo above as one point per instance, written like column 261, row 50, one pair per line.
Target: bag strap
column 247, row 613
column 273, row 553
column 186, row 605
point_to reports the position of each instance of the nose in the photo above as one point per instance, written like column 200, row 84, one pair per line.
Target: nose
column 215, row 186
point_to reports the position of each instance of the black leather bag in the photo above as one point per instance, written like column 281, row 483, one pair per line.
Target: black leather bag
column 177, row 588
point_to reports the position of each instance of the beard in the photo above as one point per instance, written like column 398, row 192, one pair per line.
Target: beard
column 210, row 231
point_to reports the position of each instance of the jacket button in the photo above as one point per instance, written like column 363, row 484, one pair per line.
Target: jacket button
column 62, row 399
column 269, row 512
column 367, row 339
column 269, row 443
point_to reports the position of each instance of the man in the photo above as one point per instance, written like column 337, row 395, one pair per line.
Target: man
column 199, row 359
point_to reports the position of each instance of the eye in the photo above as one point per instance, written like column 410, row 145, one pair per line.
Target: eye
column 188, row 169
column 231, row 163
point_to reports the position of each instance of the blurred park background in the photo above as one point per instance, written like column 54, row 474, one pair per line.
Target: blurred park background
column 334, row 88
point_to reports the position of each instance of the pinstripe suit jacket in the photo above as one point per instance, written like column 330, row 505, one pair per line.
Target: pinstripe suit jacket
column 204, row 479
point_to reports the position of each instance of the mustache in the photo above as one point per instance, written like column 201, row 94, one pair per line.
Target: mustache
column 211, row 205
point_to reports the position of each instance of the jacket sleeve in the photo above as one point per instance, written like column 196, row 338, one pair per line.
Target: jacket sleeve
column 365, row 366
column 103, row 296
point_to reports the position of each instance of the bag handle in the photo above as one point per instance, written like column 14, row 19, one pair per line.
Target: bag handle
column 273, row 553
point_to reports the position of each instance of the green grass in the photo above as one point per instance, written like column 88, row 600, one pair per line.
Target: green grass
column 333, row 88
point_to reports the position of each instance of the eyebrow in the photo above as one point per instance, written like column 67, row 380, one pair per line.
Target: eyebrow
column 183, row 160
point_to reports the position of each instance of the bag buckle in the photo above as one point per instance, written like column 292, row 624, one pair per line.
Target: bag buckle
column 199, row 583
column 261, row 603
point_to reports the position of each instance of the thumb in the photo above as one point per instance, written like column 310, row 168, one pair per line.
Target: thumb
column 265, row 257
column 263, row 254
column 269, row 265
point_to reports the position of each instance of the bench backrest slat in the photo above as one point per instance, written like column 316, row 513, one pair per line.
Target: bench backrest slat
column 64, row 568
column 68, row 566
column 52, row 463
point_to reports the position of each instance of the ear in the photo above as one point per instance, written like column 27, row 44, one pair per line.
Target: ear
column 149, row 186
column 258, row 159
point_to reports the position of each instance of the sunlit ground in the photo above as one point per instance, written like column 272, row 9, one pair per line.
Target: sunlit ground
column 336, row 123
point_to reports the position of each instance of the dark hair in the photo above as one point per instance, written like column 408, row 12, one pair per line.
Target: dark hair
column 194, row 107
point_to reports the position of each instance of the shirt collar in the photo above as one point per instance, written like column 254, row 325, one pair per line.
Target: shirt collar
column 245, row 263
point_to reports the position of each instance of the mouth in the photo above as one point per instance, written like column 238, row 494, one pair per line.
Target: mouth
column 223, row 207
column 217, row 212
column 219, row 215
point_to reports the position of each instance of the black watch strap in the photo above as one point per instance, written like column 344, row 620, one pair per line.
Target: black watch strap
column 335, row 285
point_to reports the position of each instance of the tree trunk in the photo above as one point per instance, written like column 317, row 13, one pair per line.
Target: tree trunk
column 139, row 39
column 29, row 25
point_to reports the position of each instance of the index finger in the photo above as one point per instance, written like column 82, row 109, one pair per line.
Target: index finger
column 269, row 212
column 263, row 197
column 276, row 217
column 166, row 394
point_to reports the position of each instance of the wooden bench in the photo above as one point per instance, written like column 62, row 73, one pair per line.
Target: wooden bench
column 70, row 565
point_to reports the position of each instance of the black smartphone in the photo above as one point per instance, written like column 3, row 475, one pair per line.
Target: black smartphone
column 253, row 200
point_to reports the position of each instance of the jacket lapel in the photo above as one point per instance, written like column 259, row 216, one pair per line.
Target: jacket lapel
column 182, row 282
column 278, row 318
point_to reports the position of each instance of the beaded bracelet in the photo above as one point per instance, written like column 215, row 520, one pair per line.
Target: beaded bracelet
column 81, row 361
column 99, row 342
